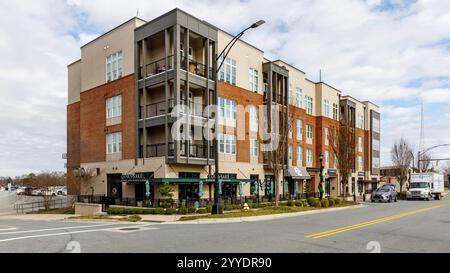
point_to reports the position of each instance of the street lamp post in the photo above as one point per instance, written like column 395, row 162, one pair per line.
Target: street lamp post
column 321, row 177
column 421, row 153
column 217, row 208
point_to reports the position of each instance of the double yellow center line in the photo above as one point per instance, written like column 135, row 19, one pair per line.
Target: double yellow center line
column 374, row 222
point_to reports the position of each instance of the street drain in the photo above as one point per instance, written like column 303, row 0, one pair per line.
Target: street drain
column 129, row 229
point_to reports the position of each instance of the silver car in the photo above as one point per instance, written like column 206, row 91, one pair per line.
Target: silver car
column 384, row 194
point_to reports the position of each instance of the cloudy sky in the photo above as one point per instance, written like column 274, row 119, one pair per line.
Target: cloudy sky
column 395, row 53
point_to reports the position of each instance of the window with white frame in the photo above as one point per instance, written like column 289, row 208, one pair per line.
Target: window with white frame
column 309, row 105
column 360, row 145
column 326, row 108
column 227, row 111
column 375, row 162
column 299, row 129
column 327, row 136
column 360, row 164
column 327, row 159
column 254, row 148
column 335, row 111
column 290, row 152
column 114, row 66
column 227, row 72
column 298, row 97
column 299, row 155
column 253, row 80
column 114, row 107
column 114, row 143
column 253, row 112
column 227, row 144
column 309, row 157
column 309, row 132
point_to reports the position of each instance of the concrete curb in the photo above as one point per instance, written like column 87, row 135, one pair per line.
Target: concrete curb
column 260, row 218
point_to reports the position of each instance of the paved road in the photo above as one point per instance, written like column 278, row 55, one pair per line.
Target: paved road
column 414, row 226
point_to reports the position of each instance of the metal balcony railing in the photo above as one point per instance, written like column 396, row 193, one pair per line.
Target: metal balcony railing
column 156, row 67
column 157, row 150
column 197, row 68
column 159, row 108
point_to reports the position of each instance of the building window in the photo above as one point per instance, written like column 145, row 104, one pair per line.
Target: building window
column 309, row 105
column 227, row 72
column 326, row 108
column 376, row 145
column 253, row 112
column 114, row 143
column 327, row 136
column 254, row 148
column 375, row 163
column 327, row 159
column 360, row 164
column 114, row 64
column 227, row 111
column 335, row 111
column 376, row 125
column 360, row 121
column 309, row 157
column 360, row 145
column 253, row 80
column 299, row 129
column 309, row 134
column 290, row 153
column 227, row 144
column 114, row 107
column 299, row 156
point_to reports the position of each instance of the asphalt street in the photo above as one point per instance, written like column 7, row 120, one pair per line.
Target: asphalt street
column 406, row 226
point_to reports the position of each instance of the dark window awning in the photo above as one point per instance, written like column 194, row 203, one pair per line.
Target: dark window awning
column 195, row 180
column 298, row 173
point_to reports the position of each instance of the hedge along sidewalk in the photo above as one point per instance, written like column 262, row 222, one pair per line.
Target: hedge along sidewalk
column 248, row 216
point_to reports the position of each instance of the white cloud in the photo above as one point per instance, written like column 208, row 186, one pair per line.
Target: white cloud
column 368, row 53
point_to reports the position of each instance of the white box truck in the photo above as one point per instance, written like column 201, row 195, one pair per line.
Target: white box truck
column 426, row 186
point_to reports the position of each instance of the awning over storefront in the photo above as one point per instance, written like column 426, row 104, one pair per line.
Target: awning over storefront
column 194, row 180
column 298, row 173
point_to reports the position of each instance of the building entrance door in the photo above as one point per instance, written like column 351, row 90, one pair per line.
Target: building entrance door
column 115, row 186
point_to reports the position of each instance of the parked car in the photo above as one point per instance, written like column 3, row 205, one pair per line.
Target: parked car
column 384, row 194
column 20, row 191
column 36, row 192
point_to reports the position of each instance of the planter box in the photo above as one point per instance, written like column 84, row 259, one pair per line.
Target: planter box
column 84, row 209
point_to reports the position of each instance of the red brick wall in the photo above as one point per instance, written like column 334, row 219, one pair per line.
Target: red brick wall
column 321, row 124
column 93, row 129
column 245, row 98
column 73, row 146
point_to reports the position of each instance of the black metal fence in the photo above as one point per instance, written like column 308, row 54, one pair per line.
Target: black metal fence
column 41, row 205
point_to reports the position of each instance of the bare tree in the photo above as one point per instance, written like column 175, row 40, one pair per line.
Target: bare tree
column 342, row 141
column 402, row 156
column 425, row 163
column 277, row 155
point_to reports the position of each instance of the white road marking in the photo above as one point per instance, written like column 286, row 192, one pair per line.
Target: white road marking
column 70, row 232
column 51, row 229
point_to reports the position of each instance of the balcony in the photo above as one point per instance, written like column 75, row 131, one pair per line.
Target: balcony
column 159, row 109
column 197, row 68
column 156, row 67
column 157, row 150
column 197, row 150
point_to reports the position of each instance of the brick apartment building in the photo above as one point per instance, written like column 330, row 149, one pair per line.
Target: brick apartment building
column 126, row 84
